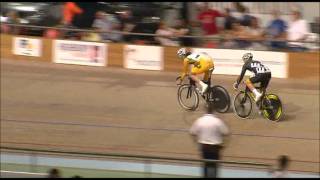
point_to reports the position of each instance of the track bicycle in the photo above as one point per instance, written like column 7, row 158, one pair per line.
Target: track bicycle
column 269, row 105
column 188, row 95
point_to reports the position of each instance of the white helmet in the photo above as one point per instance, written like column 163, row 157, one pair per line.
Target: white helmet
column 247, row 57
column 182, row 52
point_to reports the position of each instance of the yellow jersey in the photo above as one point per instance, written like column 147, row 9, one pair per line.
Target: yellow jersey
column 202, row 62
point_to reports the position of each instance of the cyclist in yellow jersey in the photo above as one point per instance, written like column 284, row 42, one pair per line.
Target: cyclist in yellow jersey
column 202, row 63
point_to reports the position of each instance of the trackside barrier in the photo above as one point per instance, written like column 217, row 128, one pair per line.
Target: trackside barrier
column 146, row 57
column 148, row 160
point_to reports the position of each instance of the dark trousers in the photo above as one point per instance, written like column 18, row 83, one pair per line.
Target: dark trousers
column 211, row 152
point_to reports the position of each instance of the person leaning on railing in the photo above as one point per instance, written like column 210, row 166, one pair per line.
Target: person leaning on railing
column 255, row 32
column 237, row 37
column 166, row 35
column 13, row 17
column 298, row 30
column 183, row 29
column 91, row 36
column 276, row 30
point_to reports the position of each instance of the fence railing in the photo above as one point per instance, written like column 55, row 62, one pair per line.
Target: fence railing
column 219, row 37
column 133, row 156
column 145, row 158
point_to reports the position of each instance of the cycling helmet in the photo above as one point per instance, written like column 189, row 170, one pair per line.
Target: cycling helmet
column 182, row 52
column 247, row 57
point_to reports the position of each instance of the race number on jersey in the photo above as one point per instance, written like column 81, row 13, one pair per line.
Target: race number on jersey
column 259, row 67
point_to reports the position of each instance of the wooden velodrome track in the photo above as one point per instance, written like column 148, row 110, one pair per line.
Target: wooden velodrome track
column 114, row 110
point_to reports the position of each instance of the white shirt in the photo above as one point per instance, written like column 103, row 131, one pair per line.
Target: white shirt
column 209, row 129
column 297, row 30
column 166, row 41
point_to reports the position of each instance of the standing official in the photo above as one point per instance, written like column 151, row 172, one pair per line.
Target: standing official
column 208, row 131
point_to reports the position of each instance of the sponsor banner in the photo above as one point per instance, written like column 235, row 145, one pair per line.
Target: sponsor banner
column 27, row 46
column 230, row 62
column 143, row 57
column 79, row 52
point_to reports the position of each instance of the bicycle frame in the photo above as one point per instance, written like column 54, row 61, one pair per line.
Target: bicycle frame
column 248, row 92
column 193, row 84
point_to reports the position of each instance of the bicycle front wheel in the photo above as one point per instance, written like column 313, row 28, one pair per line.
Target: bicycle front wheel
column 242, row 105
column 272, row 107
column 188, row 97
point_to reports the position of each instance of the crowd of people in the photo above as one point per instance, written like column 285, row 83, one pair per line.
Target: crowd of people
column 239, row 30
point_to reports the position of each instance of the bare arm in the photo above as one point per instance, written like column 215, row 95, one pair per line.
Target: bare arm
column 185, row 68
column 243, row 71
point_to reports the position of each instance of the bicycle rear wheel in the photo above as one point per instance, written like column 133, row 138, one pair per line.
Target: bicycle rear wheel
column 188, row 97
column 272, row 107
column 220, row 98
column 242, row 105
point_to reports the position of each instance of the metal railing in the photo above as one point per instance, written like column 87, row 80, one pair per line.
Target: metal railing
column 147, row 159
column 219, row 37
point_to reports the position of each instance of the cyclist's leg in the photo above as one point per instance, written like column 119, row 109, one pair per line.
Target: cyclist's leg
column 195, row 71
column 208, row 73
column 193, row 74
column 266, row 80
column 249, row 82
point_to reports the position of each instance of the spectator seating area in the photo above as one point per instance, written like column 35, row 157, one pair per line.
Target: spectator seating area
column 239, row 29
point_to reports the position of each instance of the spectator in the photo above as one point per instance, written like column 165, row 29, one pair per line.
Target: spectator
column 208, row 131
column 5, row 28
column 209, row 43
column 53, row 33
column 70, row 9
column 255, row 32
column 127, row 24
column 282, row 169
column 228, row 20
column 91, row 36
column 237, row 35
column 298, row 31
column 3, row 18
column 315, row 26
column 228, row 41
column 13, row 17
column 116, row 26
column 276, row 30
column 104, row 22
column 236, row 8
column 208, row 20
column 314, row 36
column 54, row 173
column 245, row 19
column 166, row 35
column 183, row 30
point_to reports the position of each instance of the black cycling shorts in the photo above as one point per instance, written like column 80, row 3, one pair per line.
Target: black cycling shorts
column 263, row 78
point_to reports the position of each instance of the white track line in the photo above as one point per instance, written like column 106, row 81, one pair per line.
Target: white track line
column 29, row 173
